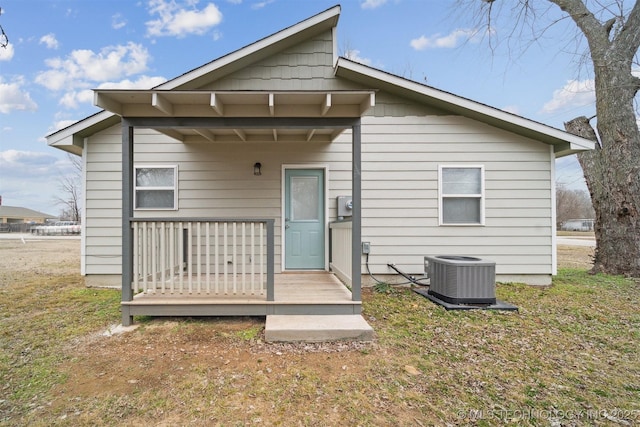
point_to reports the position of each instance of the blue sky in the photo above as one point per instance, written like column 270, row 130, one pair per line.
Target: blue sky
column 61, row 49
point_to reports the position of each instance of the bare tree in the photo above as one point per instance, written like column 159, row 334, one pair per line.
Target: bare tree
column 70, row 190
column 612, row 171
column 572, row 204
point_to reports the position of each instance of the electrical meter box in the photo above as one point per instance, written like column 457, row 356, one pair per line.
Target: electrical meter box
column 345, row 206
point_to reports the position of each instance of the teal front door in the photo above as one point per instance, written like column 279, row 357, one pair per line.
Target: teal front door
column 304, row 219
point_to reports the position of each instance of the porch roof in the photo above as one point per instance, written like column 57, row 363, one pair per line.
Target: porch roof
column 259, row 105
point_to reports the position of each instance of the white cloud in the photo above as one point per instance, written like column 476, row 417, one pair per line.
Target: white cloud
column 117, row 21
column 20, row 163
column 450, row 40
column 14, row 98
column 82, row 67
column 143, row 82
column 6, row 53
column 31, row 178
column 575, row 93
column 354, row 55
column 50, row 41
column 261, row 4
column 372, row 4
column 72, row 99
column 181, row 19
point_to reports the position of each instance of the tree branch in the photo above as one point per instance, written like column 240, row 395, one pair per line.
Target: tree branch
column 596, row 33
column 627, row 41
column 608, row 26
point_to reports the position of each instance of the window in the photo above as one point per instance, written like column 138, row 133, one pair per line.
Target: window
column 156, row 187
column 461, row 190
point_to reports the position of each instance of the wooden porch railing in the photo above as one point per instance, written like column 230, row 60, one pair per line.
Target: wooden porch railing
column 203, row 256
column 341, row 244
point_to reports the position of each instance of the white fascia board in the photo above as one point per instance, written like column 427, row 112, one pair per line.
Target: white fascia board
column 78, row 126
column 330, row 16
column 71, row 138
column 455, row 102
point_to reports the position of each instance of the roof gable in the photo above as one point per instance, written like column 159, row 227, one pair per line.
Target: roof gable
column 563, row 142
column 72, row 138
column 254, row 52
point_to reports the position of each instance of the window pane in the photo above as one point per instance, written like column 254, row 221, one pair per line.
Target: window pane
column 460, row 210
column 461, row 181
column 156, row 199
column 304, row 198
column 154, row 177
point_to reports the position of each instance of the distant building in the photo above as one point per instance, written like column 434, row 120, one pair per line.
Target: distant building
column 577, row 225
column 17, row 215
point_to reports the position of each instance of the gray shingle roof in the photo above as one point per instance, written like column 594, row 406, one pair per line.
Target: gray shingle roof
column 17, row 212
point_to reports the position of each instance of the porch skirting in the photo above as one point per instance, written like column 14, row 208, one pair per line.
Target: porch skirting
column 294, row 293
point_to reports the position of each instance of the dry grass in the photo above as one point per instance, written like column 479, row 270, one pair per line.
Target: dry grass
column 569, row 357
column 577, row 257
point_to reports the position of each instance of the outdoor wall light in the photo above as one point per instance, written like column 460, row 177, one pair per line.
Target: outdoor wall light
column 257, row 169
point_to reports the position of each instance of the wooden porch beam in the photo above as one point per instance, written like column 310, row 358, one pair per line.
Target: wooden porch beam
column 310, row 134
column 326, row 105
column 171, row 133
column 206, row 133
column 216, row 104
column 245, row 122
column 369, row 102
column 241, row 134
column 272, row 105
column 106, row 103
column 162, row 104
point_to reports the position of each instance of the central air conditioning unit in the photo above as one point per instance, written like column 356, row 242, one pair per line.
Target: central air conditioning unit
column 461, row 279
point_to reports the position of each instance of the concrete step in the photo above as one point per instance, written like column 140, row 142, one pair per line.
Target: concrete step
column 317, row 328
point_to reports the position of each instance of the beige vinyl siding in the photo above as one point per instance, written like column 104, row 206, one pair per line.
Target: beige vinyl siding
column 214, row 181
column 306, row 66
column 400, row 197
column 402, row 145
column 103, row 204
column 400, row 194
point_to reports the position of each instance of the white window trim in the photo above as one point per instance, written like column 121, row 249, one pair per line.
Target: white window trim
column 174, row 187
column 481, row 196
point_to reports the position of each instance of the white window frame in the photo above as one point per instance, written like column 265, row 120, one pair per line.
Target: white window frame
column 174, row 187
column 442, row 196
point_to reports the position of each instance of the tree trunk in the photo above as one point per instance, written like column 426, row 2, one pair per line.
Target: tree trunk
column 612, row 171
column 613, row 179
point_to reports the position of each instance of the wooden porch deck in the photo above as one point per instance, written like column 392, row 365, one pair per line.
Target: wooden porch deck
column 318, row 293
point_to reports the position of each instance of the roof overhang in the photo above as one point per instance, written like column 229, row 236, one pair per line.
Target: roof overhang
column 238, row 104
column 563, row 142
column 71, row 138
